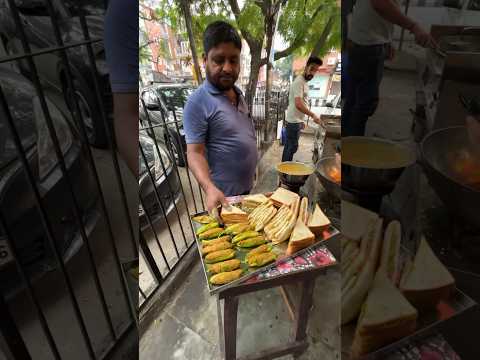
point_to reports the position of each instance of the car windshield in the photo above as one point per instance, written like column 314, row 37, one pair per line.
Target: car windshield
column 175, row 98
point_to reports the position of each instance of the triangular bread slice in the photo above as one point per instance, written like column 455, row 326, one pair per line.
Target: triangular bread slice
column 391, row 250
column 301, row 237
column 427, row 281
column 355, row 220
column 386, row 317
column 318, row 221
column 233, row 214
column 283, row 196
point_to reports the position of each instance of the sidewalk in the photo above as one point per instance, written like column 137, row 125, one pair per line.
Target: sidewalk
column 187, row 327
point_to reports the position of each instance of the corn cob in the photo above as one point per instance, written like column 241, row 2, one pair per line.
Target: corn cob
column 219, row 255
column 216, row 241
column 261, row 259
column 206, row 227
column 219, row 246
column 251, row 242
column 258, row 250
column 244, row 235
column 228, row 265
column 210, row 234
column 226, row 277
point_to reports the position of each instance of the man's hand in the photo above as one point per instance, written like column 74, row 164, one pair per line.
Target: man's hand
column 423, row 38
column 302, row 125
column 318, row 120
column 214, row 198
column 390, row 52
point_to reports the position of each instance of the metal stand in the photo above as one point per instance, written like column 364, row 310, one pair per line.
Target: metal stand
column 299, row 314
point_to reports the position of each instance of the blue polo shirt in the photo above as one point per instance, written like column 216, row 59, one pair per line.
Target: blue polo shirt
column 228, row 133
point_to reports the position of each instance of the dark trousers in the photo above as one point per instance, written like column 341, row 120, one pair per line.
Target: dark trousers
column 291, row 143
column 364, row 74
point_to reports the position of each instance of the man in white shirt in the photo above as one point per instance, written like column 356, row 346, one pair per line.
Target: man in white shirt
column 369, row 44
column 297, row 108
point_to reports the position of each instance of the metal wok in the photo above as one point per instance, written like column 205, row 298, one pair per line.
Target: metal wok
column 323, row 168
column 461, row 199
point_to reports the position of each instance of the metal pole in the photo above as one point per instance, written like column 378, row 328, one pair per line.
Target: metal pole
column 402, row 33
column 8, row 329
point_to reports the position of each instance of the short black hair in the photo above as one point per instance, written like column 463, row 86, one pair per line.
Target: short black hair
column 220, row 32
column 314, row 60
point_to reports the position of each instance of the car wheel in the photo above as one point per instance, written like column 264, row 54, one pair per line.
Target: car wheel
column 90, row 113
column 177, row 151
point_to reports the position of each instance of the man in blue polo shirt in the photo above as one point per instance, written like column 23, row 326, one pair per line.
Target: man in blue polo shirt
column 220, row 135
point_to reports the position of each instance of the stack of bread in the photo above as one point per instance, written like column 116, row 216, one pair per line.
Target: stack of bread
column 253, row 201
column 233, row 215
column 283, row 196
column 370, row 274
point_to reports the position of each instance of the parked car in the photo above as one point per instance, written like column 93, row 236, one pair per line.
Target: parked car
column 167, row 182
column 40, row 34
column 162, row 100
column 17, row 201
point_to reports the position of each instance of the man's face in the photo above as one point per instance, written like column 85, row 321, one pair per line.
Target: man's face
column 222, row 65
column 310, row 71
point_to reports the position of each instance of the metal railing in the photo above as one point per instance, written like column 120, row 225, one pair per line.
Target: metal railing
column 167, row 233
column 65, row 278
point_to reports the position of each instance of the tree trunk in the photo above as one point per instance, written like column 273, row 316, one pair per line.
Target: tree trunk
column 255, row 55
column 323, row 38
column 185, row 6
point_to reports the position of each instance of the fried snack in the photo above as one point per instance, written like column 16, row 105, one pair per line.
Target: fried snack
column 245, row 235
column 228, row 265
column 251, row 242
column 261, row 259
column 203, row 219
column 219, row 246
column 206, row 227
column 210, row 234
column 277, row 218
column 258, row 250
column 220, row 255
column 216, row 241
column 236, row 229
column 225, row 277
column 259, row 210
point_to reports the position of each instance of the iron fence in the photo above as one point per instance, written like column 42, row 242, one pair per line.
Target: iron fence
column 72, row 290
column 173, row 191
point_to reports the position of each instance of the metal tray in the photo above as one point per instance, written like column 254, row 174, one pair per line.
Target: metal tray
column 249, row 272
column 427, row 322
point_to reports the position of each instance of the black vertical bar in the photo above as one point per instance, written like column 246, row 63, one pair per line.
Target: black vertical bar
column 11, row 334
column 45, row 221
column 154, row 233
column 26, row 280
column 152, row 265
column 108, row 129
column 91, row 163
column 168, row 180
column 164, row 212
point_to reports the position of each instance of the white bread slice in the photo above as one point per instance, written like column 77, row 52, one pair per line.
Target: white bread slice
column 301, row 237
column 283, row 196
column 233, row 215
column 367, row 239
column 254, row 200
column 428, row 281
column 355, row 220
column 353, row 297
column 303, row 212
column 318, row 221
column 391, row 250
column 386, row 317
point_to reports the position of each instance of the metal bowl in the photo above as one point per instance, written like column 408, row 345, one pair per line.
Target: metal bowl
column 461, row 199
column 294, row 180
column 332, row 187
column 373, row 180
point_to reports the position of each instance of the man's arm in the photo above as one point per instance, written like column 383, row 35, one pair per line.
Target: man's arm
column 126, row 128
column 391, row 12
column 199, row 166
column 302, row 107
